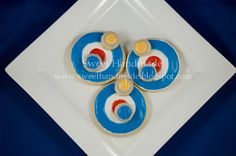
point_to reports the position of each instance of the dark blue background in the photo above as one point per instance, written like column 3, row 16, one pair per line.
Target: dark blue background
column 25, row 129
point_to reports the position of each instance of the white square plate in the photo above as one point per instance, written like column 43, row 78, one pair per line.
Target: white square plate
column 42, row 70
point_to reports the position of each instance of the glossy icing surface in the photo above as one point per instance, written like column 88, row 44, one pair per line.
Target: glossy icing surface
column 110, row 70
column 172, row 66
column 125, row 111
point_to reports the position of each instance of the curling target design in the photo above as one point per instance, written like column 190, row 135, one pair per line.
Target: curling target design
column 97, row 57
column 119, row 114
column 152, row 64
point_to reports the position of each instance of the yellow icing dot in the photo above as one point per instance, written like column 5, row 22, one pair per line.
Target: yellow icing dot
column 141, row 46
column 111, row 38
column 124, row 84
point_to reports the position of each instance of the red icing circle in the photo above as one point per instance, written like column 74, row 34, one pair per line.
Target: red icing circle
column 116, row 103
column 156, row 61
column 99, row 52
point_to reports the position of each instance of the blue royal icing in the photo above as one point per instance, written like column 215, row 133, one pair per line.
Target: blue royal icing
column 93, row 62
column 166, row 80
column 148, row 72
column 119, row 128
column 98, row 77
column 124, row 112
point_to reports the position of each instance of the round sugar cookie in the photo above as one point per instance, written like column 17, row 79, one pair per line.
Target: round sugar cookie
column 152, row 64
column 120, row 114
column 97, row 57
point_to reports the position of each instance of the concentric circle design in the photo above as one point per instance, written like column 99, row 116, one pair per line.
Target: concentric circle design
column 147, row 72
column 141, row 47
column 155, row 61
column 162, row 57
column 130, row 111
column 124, row 87
column 93, row 62
column 110, row 40
column 124, row 112
column 89, row 49
column 99, row 52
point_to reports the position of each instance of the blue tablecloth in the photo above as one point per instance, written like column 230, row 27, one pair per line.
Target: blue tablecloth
column 25, row 129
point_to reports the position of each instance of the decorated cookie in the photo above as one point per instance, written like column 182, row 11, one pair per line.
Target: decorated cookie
column 152, row 64
column 97, row 57
column 120, row 108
